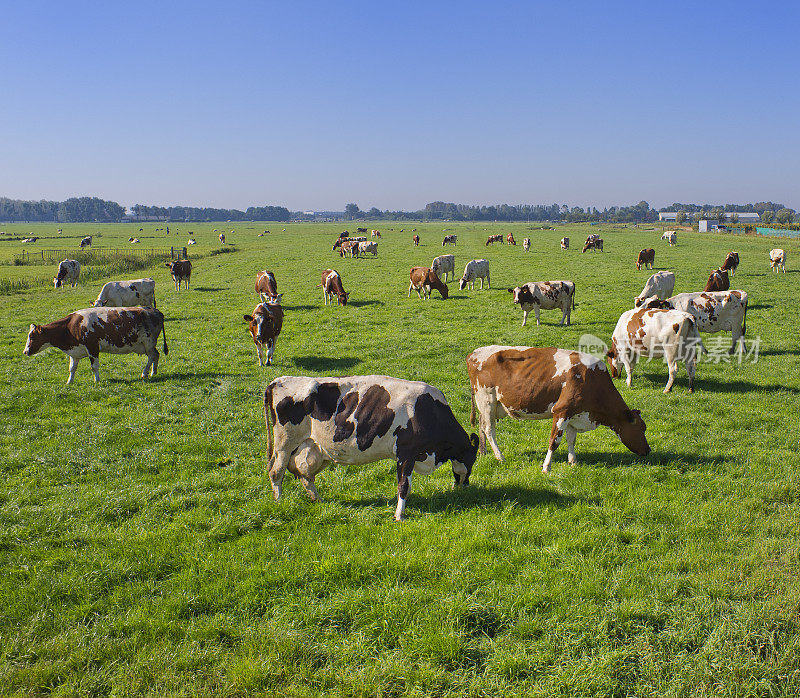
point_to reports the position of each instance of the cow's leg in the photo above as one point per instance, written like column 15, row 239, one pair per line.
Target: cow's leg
column 270, row 351
column 536, row 312
column 73, row 366
column 488, row 281
column 571, row 433
column 410, row 286
column 305, row 464
column 555, row 439
column 260, row 350
column 95, row 361
column 670, row 356
column 152, row 363
column 563, row 317
column 629, row 362
column 277, row 469
column 486, row 402
column 525, row 317
column 156, row 357
column 404, row 472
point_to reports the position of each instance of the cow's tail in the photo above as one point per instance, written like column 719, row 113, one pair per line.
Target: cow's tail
column 744, row 320
column 472, row 409
column 574, row 288
column 267, row 413
column 164, row 334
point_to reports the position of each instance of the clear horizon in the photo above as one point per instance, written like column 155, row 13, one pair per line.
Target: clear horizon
column 311, row 106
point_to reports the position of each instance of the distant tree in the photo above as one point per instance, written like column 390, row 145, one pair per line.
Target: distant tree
column 785, row 216
column 680, row 217
column 697, row 216
column 768, row 216
column 734, row 218
column 352, row 210
column 374, row 213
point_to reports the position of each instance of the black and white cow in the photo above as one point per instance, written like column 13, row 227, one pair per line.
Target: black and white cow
column 68, row 272
column 545, row 295
column 362, row 419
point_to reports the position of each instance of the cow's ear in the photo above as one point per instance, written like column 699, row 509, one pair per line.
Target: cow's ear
column 248, row 318
column 33, row 327
column 473, row 439
column 631, row 415
column 511, row 290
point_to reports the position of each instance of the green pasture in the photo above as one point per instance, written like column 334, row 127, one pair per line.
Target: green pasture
column 141, row 552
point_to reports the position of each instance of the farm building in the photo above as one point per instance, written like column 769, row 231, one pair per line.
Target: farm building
column 743, row 217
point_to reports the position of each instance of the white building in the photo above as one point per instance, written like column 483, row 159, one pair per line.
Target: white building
column 743, row 217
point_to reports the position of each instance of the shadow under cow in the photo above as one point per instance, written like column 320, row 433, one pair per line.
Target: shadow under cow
column 326, row 363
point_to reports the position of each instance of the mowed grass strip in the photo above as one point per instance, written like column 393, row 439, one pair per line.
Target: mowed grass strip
column 142, row 553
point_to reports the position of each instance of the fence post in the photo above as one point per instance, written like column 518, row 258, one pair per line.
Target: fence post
column 172, row 253
column 185, row 253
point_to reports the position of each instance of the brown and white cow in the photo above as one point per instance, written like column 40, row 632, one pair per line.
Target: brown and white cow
column 723, row 311
column 415, row 240
column 181, row 271
column 661, row 284
column 493, row 239
column 476, row 269
column 449, row 239
column 91, row 331
column 510, row 239
column 68, row 272
column 731, row 263
column 526, row 244
column 371, row 247
column 646, row 258
column 777, row 260
column 128, row 294
column 349, row 248
column 593, row 242
column 424, row 279
column 266, row 286
column 545, row 295
column 222, row 238
column 572, row 388
column 86, row 242
column 357, row 420
column 376, row 234
column 565, row 244
column 443, row 265
column 265, row 325
column 332, row 287
column 718, row 281
column 654, row 332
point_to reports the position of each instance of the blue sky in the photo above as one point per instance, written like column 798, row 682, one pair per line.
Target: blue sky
column 315, row 104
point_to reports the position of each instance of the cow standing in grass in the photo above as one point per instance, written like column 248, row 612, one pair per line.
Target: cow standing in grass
column 777, row 260
column 128, row 294
column 423, row 279
column 267, row 286
column 332, row 287
column 646, row 258
column 265, row 325
column 181, row 271
column 731, row 263
column 68, row 272
column 476, row 269
column 443, row 265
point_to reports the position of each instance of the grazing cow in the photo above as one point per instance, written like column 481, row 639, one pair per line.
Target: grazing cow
column 415, row 240
column 265, row 325
column 565, row 244
column 661, row 284
column 526, row 244
column 443, row 265
column 731, row 263
column 332, row 287
column 181, row 271
column 267, row 287
column 476, row 269
column 133, row 241
column 128, row 294
column 646, row 258
column 718, row 281
column 362, row 419
column 449, row 239
column 364, row 247
column 361, row 230
column 493, row 239
column 724, row 311
column 191, row 242
column 376, row 233
column 510, row 239
column 545, row 295
column 29, row 239
column 673, row 239
column 654, row 332
column 349, row 248
column 539, row 383
column 425, row 279
column 777, row 260
column 344, row 234
column 68, row 272
column 86, row 242
column 93, row 330
column 595, row 244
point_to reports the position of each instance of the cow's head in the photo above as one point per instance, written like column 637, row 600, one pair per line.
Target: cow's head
column 343, row 296
column 462, row 283
column 260, row 325
column 462, row 463
column 36, row 341
column 57, row 282
column 522, row 294
column 614, row 362
column 630, row 428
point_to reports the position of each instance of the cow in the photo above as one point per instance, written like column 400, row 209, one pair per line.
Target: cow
column 376, row 233
column 443, row 265
column 134, row 241
column 731, row 263
column 526, row 244
column 361, row 230
column 565, row 244
column 777, row 260
column 91, row 331
column 545, row 295
column 68, row 272
column 181, row 270
column 718, row 281
column 673, row 239
column 191, row 242
column 364, row 247
column 356, row 420
column 29, row 240
column 595, row 243
column 493, row 239
column 654, row 332
column 449, row 239
column 572, row 388
column 222, row 238
column 510, row 239
column 646, row 258
column 667, row 235
column 332, row 287
column 267, row 287
column 424, row 279
column 86, row 242
column 476, row 269
column 127, row 294
column 415, row 240
column 661, row 284
column 724, row 311
column 265, row 325
column 344, row 241
column 349, row 248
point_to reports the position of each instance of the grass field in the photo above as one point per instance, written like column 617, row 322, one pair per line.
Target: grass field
column 141, row 552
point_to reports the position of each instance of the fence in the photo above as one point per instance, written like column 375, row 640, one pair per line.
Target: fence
column 780, row 232
column 95, row 256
